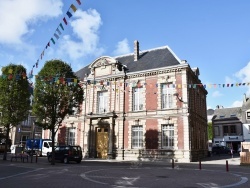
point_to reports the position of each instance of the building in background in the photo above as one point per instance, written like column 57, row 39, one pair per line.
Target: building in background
column 231, row 125
column 148, row 105
column 227, row 127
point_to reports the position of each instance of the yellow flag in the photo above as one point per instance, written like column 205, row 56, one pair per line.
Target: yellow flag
column 73, row 7
column 10, row 71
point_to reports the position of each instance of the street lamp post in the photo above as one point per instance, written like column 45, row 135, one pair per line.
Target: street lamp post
column 125, row 69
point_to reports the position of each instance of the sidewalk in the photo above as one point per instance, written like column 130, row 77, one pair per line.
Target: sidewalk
column 216, row 160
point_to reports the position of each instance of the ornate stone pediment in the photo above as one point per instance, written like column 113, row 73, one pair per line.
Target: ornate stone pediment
column 102, row 61
column 103, row 66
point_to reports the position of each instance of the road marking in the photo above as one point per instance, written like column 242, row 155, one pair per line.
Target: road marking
column 94, row 181
column 242, row 181
column 126, row 181
column 20, row 174
column 213, row 185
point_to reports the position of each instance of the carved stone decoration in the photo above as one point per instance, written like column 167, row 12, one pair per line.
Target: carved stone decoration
column 102, row 123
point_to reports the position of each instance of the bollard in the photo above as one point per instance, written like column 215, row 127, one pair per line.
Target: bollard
column 227, row 166
column 200, row 164
column 172, row 163
column 36, row 158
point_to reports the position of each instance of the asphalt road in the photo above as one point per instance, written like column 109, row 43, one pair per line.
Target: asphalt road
column 211, row 172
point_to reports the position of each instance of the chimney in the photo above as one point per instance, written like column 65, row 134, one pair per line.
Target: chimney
column 136, row 50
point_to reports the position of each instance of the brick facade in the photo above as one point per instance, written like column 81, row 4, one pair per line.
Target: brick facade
column 186, row 117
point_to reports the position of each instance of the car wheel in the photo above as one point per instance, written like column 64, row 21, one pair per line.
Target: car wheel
column 50, row 158
column 79, row 161
column 65, row 160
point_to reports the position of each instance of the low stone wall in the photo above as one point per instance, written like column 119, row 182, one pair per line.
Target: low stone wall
column 153, row 155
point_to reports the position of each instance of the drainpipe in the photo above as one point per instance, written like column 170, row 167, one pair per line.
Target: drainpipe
column 85, row 107
column 125, row 69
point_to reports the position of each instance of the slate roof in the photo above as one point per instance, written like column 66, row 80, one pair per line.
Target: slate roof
column 148, row 59
column 210, row 112
column 225, row 113
column 246, row 103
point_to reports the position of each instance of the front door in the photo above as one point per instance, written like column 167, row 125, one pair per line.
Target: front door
column 102, row 142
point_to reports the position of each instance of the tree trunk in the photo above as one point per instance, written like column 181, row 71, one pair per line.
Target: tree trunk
column 6, row 143
column 53, row 146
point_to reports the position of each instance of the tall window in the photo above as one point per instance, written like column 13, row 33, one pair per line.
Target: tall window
column 166, row 96
column 137, row 136
column 232, row 129
column 216, row 131
column 71, row 136
column 102, row 102
column 168, row 136
column 225, row 130
column 137, row 99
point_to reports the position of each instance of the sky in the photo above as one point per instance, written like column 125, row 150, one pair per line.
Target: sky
column 213, row 35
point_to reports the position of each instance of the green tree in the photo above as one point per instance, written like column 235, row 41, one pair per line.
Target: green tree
column 210, row 131
column 14, row 98
column 56, row 93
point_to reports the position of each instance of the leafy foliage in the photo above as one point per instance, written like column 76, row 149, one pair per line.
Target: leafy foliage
column 210, row 131
column 14, row 97
column 54, row 100
column 55, row 96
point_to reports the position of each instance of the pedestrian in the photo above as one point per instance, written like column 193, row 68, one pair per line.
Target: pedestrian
column 232, row 153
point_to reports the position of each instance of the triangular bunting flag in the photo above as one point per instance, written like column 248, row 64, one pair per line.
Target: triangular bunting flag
column 73, row 7
column 53, row 40
column 61, row 26
column 10, row 71
column 65, row 21
column 69, row 14
column 57, row 37
column 59, row 32
column 79, row 2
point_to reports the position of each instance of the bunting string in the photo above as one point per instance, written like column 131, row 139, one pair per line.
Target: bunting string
column 104, row 84
column 56, row 35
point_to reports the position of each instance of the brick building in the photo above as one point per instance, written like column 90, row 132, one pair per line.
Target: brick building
column 148, row 105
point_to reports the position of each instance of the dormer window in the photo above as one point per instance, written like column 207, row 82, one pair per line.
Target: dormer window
column 221, row 117
column 248, row 115
column 233, row 115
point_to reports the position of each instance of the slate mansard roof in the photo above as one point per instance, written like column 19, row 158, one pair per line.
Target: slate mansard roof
column 148, row 59
column 227, row 113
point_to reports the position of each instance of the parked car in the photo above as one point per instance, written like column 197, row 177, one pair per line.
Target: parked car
column 221, row 150
column 66, row 154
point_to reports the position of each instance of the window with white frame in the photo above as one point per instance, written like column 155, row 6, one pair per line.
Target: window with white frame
column 248, row 115
column 216, row 131
column 137, row 136
column 102, row 101
column 137, row 99
column 71, row 136
column 168, row 136
column 166, row 96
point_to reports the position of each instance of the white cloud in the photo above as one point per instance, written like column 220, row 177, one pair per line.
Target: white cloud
column 237, row 104
column 85, row 28
column 209, row 107
column 244, row 73
column 217, row 94
column 17, row 15
column 122, row 48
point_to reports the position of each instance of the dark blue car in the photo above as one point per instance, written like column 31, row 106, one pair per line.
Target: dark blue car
column 67, row 153
column 221, row 150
